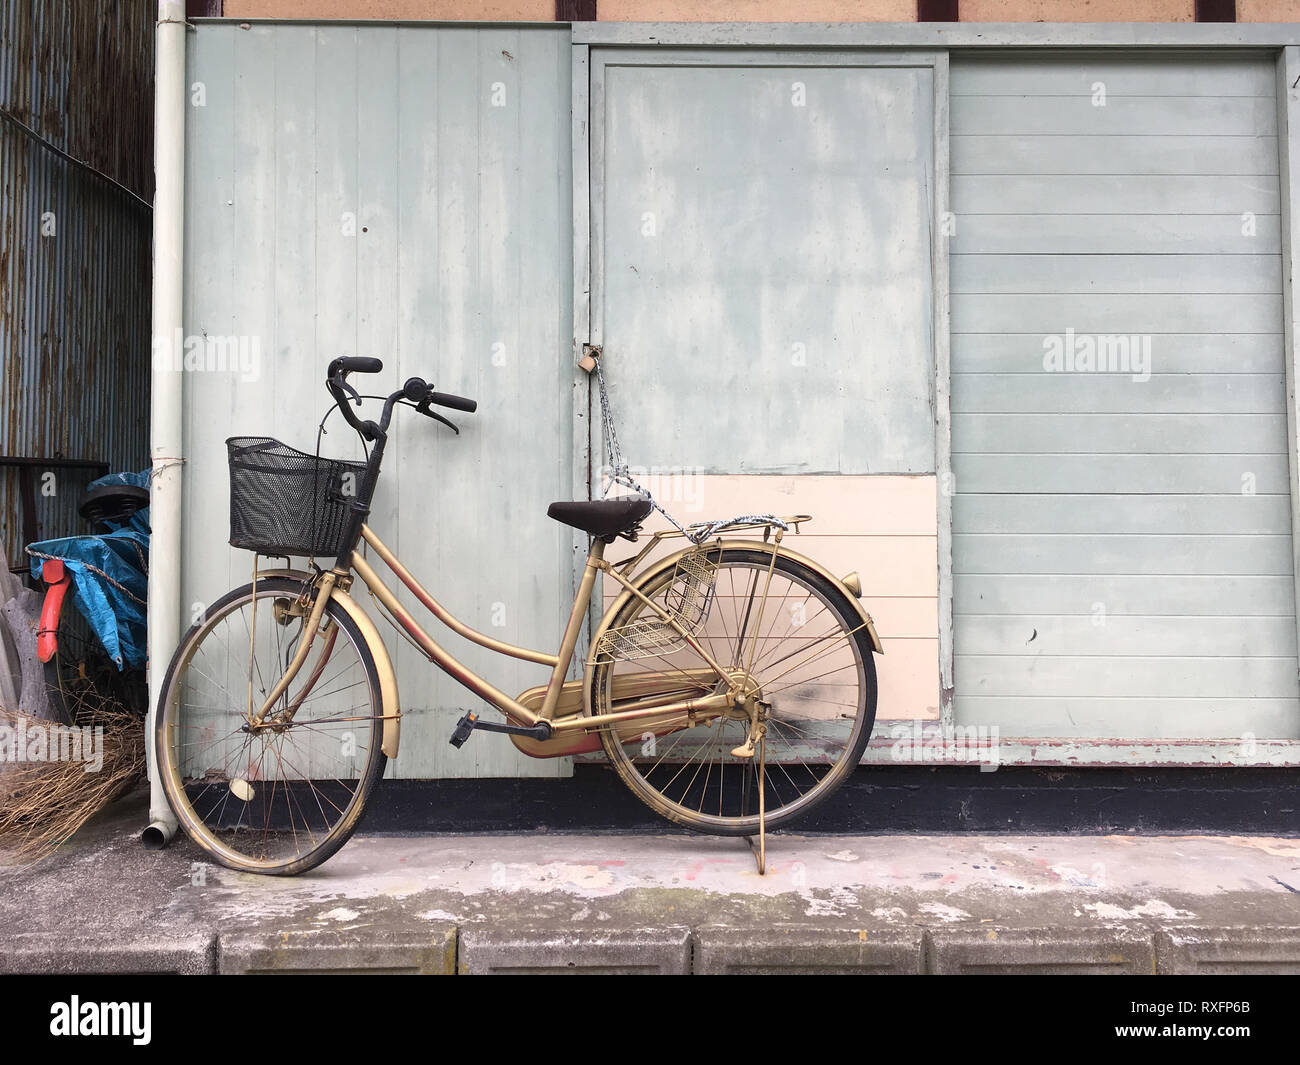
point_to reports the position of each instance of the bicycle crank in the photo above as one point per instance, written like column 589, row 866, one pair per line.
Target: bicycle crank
column 466, row 725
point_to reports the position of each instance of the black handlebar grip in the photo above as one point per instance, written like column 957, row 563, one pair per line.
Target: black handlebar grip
column 358, row 364
column 445, row 399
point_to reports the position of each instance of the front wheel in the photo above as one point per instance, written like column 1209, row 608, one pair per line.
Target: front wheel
column 280, row 798
column 792, row 635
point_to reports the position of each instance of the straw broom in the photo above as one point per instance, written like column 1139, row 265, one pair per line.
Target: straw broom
column 48, row 801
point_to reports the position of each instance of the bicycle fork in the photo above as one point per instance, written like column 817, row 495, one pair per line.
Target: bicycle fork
column 324, row 587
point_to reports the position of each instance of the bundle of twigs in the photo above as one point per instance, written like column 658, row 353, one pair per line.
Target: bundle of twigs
column 46, row 801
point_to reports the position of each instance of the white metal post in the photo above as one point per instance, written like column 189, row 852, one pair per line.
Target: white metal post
column 165, row 426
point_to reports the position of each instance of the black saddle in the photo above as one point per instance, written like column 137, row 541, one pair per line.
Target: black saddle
column 604, row 518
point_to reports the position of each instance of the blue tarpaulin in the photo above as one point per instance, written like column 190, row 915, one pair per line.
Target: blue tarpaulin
column 110, row 575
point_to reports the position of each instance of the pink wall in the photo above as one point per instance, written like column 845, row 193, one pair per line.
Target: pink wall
column 756, row 11
column 432, row 10
column 1268, row 10
column 1078, row 11
column 882, row 526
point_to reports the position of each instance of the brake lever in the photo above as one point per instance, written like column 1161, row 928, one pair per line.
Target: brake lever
column 340, row 382
column 423, row 408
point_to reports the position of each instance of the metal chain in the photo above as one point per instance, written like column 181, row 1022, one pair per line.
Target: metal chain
column 619, row 474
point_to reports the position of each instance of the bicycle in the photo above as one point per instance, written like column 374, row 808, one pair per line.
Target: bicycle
column 731, row 684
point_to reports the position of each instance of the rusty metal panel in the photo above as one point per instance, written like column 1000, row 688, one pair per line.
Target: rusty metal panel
column 75, row 231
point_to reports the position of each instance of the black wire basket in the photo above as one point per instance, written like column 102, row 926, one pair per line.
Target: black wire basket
column 285, row 502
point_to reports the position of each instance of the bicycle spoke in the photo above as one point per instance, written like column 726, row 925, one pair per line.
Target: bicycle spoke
column 272, row 795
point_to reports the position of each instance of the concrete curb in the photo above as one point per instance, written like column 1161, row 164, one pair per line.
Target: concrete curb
column 1229, row 951
column 805, row 950
column 363, row 951
column 445, row 949
column 54, row 953
column 618, row 951
column 1042, row 951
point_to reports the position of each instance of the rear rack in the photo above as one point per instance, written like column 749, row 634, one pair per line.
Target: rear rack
column 740, row 525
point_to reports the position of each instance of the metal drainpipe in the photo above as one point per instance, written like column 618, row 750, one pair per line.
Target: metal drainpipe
column 165, row 428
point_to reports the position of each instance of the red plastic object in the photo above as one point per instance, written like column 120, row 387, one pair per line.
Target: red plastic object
column 55, row 574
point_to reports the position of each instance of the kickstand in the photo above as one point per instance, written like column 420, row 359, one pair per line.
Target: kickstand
column 760, row 851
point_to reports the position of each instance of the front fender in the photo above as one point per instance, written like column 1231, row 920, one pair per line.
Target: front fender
column 391, row 705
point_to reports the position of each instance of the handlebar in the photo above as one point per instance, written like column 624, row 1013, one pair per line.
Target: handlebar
column 416, row 391
column 355, row 364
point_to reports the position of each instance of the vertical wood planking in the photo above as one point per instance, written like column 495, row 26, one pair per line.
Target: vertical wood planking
column 939, row 238
column 584, row 328
column 1288, row 121
column 207, row 563
column 461, row 242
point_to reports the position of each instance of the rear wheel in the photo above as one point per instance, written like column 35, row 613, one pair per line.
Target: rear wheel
column 803, row 647
column 282, row 798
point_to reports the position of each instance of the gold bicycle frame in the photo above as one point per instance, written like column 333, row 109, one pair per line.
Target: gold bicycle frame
column 334, row 584
column 330, row 584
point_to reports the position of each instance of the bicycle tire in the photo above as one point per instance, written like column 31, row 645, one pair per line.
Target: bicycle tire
column 170, row 773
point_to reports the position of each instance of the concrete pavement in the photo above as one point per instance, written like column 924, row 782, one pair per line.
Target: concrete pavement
column 664, row 903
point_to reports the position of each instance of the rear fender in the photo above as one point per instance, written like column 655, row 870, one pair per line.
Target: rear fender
column 749, row 545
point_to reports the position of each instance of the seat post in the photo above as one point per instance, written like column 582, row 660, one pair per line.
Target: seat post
column 581, row 603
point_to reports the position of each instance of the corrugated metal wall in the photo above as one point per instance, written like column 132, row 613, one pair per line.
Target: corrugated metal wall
column 75, row 87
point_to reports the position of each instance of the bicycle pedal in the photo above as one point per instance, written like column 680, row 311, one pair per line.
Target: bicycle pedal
column 464, row 729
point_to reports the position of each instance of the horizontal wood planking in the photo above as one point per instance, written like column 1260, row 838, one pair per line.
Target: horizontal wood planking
column 1161, row 116
column 1027, row 675
column 1030, row 595
column 1118, row 541
column 1136, row 474
column 975, row 513
column 1013, row 274
column 1223, row 232
column 1123, row 75
column 1111, row 154
column 1126, row 636
column 1171, row 353
column 1049, row 392
column 1119, row 718
column 1124, row 553
column 1114, row 313
column 1124, row 433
